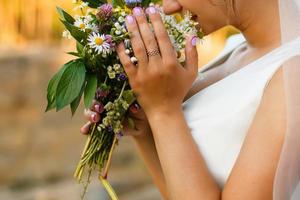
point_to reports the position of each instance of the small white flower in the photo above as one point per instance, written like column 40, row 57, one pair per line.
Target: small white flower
column 98, row 42
column 117, row 32
column 79, row 22
column 66, row 34
column 121, row 19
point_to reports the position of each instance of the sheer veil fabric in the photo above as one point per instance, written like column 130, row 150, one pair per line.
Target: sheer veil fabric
column 288, row 171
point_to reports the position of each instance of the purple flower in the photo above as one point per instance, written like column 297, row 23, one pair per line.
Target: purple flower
column 108, row 39
column 133, row 3
column 120, row 135
column 122, row 77
column 109, row 128
column 105, row 11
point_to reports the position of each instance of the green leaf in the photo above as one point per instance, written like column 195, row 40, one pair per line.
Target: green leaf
column 117, row 3
column 129, row 96
column 52, row 86
column 95, row 3
column 74, row 54
column 65, row 16
column 79, row 47
column 70, row 84
column 79, row 35
column 74, row 105
column 145, row 3
column 90, row 90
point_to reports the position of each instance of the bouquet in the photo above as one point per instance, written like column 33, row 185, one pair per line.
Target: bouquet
column 97, row 76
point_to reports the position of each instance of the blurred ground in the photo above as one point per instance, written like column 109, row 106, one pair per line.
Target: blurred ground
column 39, row 151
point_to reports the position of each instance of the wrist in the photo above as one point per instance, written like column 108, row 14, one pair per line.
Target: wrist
column 163, row 112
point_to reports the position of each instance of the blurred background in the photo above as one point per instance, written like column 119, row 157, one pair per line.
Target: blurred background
column 39, row 151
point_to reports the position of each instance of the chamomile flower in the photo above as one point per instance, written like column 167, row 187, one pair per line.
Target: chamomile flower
column 80, row 23
column 99, row 43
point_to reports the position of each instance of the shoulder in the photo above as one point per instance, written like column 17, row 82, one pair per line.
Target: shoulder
column 255, row 168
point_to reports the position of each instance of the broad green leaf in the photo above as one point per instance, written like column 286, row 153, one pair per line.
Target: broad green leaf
column 65, row 16
column 90, row 90
column 70, row 84
column 129, row 96
column 79, row 35
column 95, row 3
column 52, row 86
column 117, row 3
column 74, row 105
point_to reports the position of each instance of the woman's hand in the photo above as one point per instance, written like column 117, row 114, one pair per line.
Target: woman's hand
column 135, row 112
column 159, row 81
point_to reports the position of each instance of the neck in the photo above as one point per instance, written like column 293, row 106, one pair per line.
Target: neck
column 261, row 25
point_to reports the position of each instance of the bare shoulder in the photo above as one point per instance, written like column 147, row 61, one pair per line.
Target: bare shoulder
column 256, row 165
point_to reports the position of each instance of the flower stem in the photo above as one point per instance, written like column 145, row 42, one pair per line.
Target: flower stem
column 109, row 158
column 80, row 167
column 121, row 93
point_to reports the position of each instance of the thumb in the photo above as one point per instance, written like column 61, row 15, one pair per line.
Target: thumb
column 191, row 55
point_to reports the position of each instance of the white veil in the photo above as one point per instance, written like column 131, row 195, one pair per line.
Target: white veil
column 288, row 171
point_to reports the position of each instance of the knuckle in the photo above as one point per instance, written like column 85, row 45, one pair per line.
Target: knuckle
column 169, row 63
column 150, row 42
column 127, row 63
column 139, row 50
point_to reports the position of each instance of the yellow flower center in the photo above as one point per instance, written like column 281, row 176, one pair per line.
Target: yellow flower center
column 98, row 41
column 82, row 26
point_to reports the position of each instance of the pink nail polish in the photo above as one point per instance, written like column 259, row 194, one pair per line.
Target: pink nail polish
column 137, row 11
column 97, row 108
column 129, row 19
column 151, row 10
column 194, row 41
column 94, row 117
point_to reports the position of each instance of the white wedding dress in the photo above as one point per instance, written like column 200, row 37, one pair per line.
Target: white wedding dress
column 220, row 115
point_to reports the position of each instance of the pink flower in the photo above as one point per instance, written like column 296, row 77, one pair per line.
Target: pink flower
column 105, row 11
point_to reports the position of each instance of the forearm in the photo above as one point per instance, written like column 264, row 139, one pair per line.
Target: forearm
column 185, row 171
column 147, row 150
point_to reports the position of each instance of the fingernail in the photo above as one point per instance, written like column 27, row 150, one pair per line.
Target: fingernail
column 137, row 106
column 137, row 11
column 97, row 108
column 151, row 10
column 194, row 41
column 94, row 117
column 129, row 19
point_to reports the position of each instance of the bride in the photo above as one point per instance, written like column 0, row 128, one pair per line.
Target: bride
column 228, row 131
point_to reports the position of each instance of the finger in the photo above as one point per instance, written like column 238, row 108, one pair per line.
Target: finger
column 91, row 116
column 129, row 67
column 135, row 108
column 163, row 40
column 98, row 107
column 136, row 40
column 145, row 30
column 191, row 54
column 85, row 128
